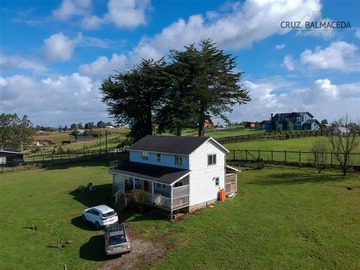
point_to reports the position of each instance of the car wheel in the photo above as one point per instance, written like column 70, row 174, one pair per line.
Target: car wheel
column 84, row 218
column 97, row 224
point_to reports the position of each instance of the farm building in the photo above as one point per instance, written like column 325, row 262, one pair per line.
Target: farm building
column 11, row 158
column 179, row 174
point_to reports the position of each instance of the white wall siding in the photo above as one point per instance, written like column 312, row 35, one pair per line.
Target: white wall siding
column 202, row 183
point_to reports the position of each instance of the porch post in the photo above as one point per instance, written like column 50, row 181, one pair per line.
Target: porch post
column 171, row 201
column 152, row 192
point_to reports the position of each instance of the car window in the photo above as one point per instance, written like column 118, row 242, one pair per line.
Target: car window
column 109, row 214
column 117, row 239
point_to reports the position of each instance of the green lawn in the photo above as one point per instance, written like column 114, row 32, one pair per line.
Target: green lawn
column 282, row 218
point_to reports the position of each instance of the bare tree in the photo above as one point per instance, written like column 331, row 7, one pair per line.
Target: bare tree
column 344, row 138
column 320, row 155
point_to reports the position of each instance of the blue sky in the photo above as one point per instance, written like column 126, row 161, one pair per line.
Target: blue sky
column 55, row 54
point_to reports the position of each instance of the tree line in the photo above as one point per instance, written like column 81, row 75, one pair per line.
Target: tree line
column 190, row 87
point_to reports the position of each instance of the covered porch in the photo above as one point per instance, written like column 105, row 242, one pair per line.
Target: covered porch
column 231, row 180
column 165, row 188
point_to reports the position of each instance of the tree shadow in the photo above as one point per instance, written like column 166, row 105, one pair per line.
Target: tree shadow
column 101, row 195
column 296, row 178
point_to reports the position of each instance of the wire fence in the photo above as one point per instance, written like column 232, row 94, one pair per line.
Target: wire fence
column 300, row 157
column 37, row 160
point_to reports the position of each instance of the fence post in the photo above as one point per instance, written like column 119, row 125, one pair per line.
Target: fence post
column 285, row 155
column 246, row 155
column 299, row 156
column 272, row 155
column 331, row 158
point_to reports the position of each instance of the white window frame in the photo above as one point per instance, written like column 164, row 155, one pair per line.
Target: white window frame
column 145, row 156
column 216, row 181
column 211, row 159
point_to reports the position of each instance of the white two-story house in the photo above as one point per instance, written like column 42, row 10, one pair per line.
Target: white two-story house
column 180, row 174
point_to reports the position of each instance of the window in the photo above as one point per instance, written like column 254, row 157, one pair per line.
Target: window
column 212, row 159
column 217, row 181
column 158, row 157
column 178, row 160
column 179, row 184
column 158, row 185
column 145, row 156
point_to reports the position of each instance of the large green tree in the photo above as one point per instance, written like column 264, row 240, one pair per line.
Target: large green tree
column 15, row 132
column 205, row 84
column 197, row 83
column 133, row 97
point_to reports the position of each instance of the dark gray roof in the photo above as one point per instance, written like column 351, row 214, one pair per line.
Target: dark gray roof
column 161, row 174
column 310, row 121
column 294, row 113
column 183, row 145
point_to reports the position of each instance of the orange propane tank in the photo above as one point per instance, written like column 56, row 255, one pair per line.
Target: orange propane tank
column 222, row 195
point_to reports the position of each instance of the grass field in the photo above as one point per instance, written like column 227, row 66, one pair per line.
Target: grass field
column 282, row 218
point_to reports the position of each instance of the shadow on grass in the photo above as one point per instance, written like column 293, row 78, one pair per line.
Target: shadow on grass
column 101, row 195
column 93, row 250
column 63, row 165
column 296, row 178
column 78, row 222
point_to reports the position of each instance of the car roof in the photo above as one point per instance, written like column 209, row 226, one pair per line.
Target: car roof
column 103, row 208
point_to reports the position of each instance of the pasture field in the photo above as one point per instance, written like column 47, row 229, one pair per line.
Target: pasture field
column 282, row 218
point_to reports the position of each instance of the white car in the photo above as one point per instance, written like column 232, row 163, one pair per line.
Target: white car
column 101, row 215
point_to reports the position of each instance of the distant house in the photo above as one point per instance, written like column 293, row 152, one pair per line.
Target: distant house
column 340, row 131
column 311, row 124
column 251, row 125
column 43, row 142
column 179, row 174
column 290, row 121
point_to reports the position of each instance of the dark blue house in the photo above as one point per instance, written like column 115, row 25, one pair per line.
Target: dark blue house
column 290, row 121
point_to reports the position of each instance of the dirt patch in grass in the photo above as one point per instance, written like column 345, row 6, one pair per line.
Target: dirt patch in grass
column 141, row 256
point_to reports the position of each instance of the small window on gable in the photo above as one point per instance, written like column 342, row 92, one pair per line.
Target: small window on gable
column 216, row 181
column 145, row 156
column 158, row 157
column 178, row 160
column 212, row 159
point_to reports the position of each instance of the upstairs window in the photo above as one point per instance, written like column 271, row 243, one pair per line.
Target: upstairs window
column 212, row 159
column 145, row 156
column 178, row 160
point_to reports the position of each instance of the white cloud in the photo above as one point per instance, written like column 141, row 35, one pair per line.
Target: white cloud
column 280, row 46
column 357, row 32
column 102, row 66
column 127, row 13
column 59, row 47
column 338, row 56
column 68, row 99
column 322, row 90
column 323, row 99
column 289, row 62
column 92, row 22
column 18, row 62
column 238, row 28
column 70, row 8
